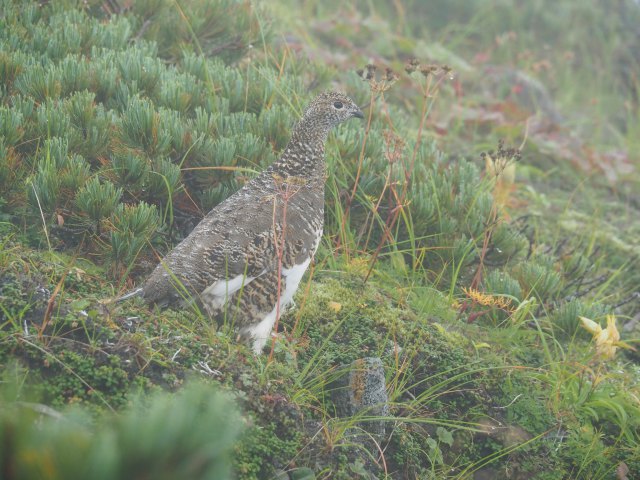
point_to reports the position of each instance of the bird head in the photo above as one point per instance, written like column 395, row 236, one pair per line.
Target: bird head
column 331, row 108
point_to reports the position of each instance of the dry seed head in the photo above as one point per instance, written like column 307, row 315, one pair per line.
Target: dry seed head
column 430, row 69
column 512, row 154
column 506, row 154
column 368, row 72
column 412, row 65
column 501, row 162
column 390, row 75
column 381, row 85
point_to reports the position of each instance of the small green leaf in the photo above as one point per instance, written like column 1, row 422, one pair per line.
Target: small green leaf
column 444, row 436
column 433, row 445
column 303, row 473
column 78, row 305
column 357, row 467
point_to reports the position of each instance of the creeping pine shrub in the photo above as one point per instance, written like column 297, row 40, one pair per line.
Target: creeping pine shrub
column 9, row 165
column 91, row 120
column 499, row 282
column 186, row 435
column 537, row 279
column 133, row 226
column 452, row 209
column 97, row 200
column 449, row 209
column 10, row 125
column 223, row 29
column 566, row 318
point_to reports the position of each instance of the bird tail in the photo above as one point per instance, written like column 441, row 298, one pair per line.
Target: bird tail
column 138, row 292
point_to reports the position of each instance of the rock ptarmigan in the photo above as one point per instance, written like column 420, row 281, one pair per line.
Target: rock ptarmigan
column 267, row 231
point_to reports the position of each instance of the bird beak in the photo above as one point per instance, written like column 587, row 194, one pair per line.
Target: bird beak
column 357, row 113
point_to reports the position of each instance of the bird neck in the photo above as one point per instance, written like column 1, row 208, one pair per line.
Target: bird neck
column 304, row 154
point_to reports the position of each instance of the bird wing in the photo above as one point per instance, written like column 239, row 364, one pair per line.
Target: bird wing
column 232, row 246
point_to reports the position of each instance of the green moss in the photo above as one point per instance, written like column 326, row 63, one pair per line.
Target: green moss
column 272, row 444
column 410, row 453
column 70, row 377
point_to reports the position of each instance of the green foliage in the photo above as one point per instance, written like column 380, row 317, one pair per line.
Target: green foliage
column 52, row 121
column 91, row 123
column 142, row 127
column 17, row 300
column 10, row 67
column 186, row 435
column 9, row 167
column 91, row 376
column 566, row 318
column 451, row 209
column 44, row 188
column 74, row 173
column 90, row 118
column 498, row 282
column 409, row 451
column 225, row 28
column 134, row 226
column 10, row 125
column 360, row 329
column 97, row 199
column 39, row 83
column 132, row 170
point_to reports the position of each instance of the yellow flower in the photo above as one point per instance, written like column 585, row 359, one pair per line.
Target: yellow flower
column 607, row 339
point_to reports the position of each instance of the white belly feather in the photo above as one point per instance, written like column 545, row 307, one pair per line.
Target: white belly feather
column 291, row 276
column 216, row 295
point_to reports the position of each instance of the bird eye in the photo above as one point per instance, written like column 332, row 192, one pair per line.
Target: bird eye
column 338, row 105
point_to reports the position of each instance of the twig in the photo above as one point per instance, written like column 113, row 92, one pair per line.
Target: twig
column 43, row 409
column 629, row 299
column 145, row 25
column 44, row 223
column 510, row 403
column 280, row 245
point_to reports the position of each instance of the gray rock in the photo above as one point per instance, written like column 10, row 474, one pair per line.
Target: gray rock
column 362, row 390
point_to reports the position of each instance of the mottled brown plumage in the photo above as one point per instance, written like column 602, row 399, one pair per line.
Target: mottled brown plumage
column 230, row 261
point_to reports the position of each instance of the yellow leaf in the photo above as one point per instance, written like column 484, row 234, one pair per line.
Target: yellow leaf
column 626, row 346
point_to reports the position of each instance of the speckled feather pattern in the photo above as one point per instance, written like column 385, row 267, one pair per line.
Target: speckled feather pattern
column 229, row 262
